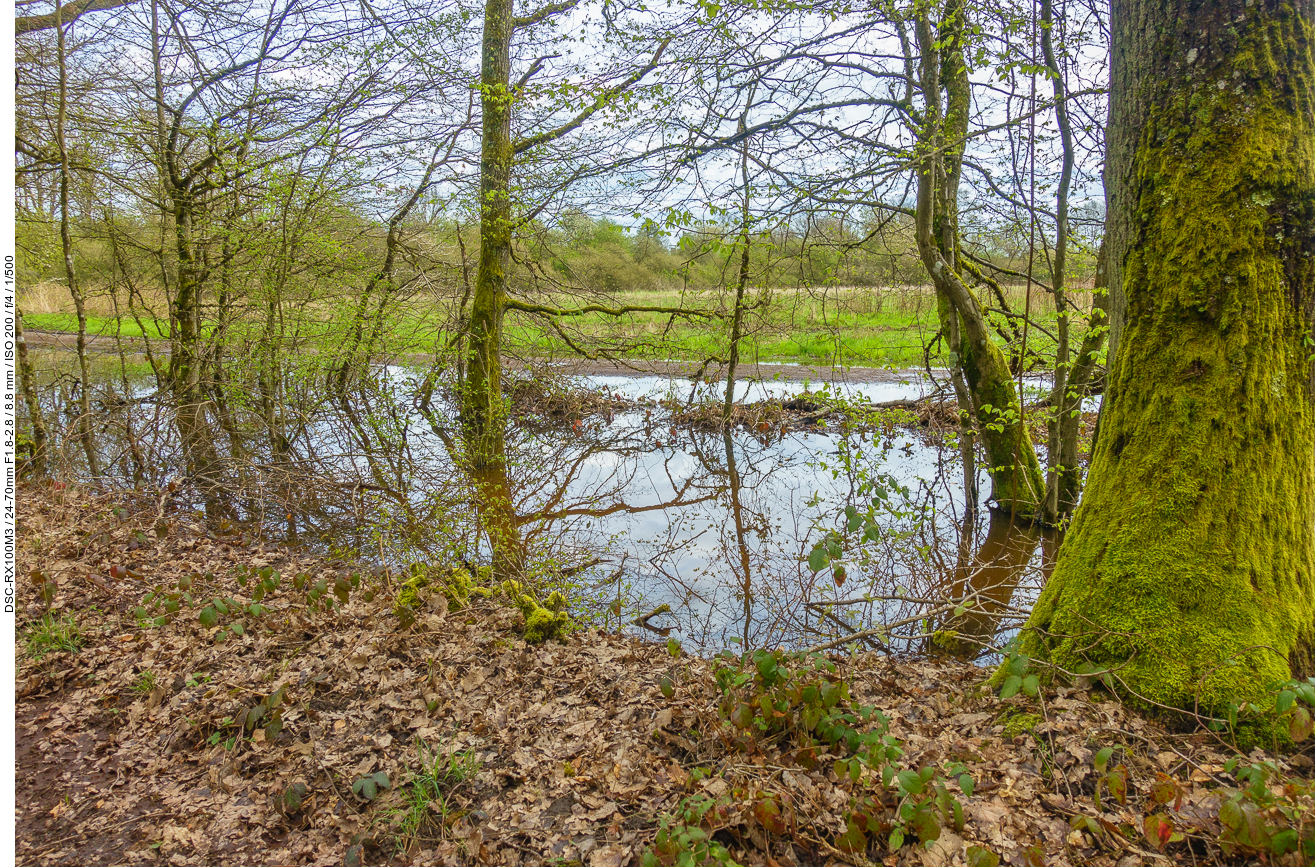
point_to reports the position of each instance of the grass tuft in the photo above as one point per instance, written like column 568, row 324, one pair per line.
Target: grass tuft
column 53, row 633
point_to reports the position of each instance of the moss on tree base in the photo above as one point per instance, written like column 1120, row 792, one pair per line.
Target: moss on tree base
column 1190, row 567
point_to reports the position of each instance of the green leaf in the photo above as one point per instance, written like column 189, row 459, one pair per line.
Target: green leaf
column 1286, row 698
column 1031, row 685
column 1158, row 829
column 1011, row 686
column 673, row 648
column 1103, row 758
column 367, row 788
column 239, row 630
column 294, row 796
column 926, row 826
column 209, row 619
column 910, row 782
column 966, row 785
column 817, row 558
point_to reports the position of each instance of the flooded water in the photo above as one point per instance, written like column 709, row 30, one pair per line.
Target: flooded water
column 642, row 513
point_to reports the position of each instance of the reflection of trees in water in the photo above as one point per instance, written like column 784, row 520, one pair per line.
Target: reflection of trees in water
column 989, row 576
column 698, row 519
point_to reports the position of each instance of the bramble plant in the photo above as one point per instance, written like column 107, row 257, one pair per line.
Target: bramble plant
column 800, row 696
column 1265, row 816
column 685, row 838
column 232, row 729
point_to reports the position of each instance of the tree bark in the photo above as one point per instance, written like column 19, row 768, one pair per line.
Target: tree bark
column 85, row 431
column 1017, row 483
column 1063, row 401
column 482, row 412
column 68, row 13
column 1190, row 566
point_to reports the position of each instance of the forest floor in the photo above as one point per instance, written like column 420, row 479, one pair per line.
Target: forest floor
column 338, row 734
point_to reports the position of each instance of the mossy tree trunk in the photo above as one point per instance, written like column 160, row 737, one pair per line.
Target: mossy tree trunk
column 482, row 412
column 1190, row 566
column 996, row 414
column 185, row 360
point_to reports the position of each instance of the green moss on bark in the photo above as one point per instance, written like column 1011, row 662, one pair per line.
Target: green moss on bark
column 1190, row 567
column 1018, row 484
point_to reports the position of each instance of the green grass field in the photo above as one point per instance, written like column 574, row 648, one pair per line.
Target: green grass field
column 882, row 328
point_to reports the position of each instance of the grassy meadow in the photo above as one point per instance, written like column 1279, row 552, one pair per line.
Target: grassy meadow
column 867, row 326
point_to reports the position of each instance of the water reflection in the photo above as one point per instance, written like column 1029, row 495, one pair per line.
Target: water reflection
column 632, row 509
column 987, row 578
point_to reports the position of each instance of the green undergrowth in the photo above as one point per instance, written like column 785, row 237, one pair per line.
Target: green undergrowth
column 799, row 702
column 427, row 807
column 1262, row 811
column 53, row 633
column 266, row 594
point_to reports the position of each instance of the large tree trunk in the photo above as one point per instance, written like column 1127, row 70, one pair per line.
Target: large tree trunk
column 1190, row 567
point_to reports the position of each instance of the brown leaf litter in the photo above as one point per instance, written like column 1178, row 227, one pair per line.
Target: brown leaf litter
column 129, row 750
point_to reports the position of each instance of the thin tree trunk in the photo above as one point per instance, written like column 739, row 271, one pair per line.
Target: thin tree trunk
column 1079, row 380
column 742, row 281
column 1016, row 476
column 27, row 384
column 1190, row 565
column 185, row 365
column 85, row 431
column 1060, row 401
column 482, row 413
